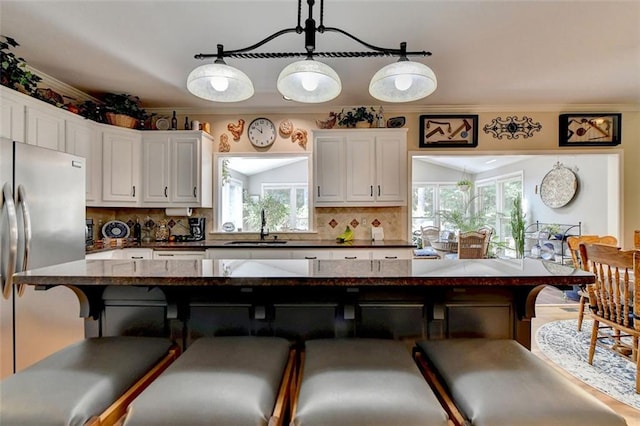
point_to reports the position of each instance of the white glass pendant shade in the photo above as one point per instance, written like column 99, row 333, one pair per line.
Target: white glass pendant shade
column 220, row 83
column 403, row 81
column 309, row 81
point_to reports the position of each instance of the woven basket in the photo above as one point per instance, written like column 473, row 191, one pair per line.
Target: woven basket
column 122, row 120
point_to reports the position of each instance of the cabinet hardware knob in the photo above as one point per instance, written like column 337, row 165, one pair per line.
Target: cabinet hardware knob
column 134, row 191
column 378, row 190
column 371, row 191
column 318, row 190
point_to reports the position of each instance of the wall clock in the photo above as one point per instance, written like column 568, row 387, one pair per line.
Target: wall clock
column 262, row 132
column 558, row 187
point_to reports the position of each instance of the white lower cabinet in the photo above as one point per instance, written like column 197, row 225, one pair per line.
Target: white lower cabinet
column 179, row 254
column 124, row 253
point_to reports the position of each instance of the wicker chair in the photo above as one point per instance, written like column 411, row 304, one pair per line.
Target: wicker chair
column 612, row 300
column 574, row 248
column 429, row 234
column 471, row 245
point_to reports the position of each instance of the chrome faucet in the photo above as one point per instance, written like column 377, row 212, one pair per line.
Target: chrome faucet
column 263, row 224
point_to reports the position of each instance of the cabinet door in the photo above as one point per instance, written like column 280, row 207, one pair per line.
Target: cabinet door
column 329, row 169
column 155, row 169
column 391, row 168
column 360, row 168
column 82, row 138
column 45, row 129
column 121, row 166
column 185, row 169
column 12, row 115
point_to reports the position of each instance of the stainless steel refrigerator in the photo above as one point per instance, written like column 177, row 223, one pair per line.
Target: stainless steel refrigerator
column 42, row 223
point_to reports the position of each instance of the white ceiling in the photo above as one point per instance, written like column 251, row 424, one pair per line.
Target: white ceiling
column 472, row 163
column 519, row 52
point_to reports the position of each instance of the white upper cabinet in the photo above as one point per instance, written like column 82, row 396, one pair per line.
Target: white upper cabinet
column 329, row 168
column 82, row 138
column 120, row 167
column 177, row 169
column 12, row 110
column 45, row 128
column 360, row 167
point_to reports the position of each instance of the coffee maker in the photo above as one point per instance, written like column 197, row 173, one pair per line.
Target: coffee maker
column 197, row 227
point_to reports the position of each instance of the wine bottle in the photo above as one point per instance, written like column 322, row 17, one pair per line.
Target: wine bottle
column 186, row 124
column 137, row 231
column 174, row 122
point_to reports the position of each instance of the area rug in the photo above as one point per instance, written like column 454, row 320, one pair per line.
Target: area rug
column 569, row 349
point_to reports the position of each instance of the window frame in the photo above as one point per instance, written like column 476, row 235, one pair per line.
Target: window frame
column 217, row 184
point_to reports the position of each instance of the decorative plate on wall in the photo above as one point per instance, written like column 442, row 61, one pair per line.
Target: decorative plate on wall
column 115, row 229
column 558, row 187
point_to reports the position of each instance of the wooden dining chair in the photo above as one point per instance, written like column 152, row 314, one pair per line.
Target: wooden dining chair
column 488, row 231
column 471, row 245
column 613, row 296
column 636, row 239
column 429, row 234
column 573, row 243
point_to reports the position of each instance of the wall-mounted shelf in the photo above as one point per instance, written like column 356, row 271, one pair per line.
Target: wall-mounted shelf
column 552, row 240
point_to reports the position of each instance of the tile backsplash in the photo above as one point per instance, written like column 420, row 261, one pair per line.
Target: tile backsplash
column 329, row 221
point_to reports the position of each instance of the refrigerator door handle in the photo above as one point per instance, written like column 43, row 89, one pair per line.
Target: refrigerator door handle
column 7, row 202
column 26, row 219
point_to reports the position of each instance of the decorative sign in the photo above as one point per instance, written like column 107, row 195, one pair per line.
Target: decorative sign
column 601, row 129
column 512, row 127
column 447, row 131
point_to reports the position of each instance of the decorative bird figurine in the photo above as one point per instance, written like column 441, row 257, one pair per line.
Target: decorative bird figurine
column 329, row 122
column 236, row 129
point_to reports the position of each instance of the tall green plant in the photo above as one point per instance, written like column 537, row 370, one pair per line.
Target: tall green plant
column 517, row 226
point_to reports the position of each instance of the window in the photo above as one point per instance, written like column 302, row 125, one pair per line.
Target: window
column 432, row 201
column 277, row 184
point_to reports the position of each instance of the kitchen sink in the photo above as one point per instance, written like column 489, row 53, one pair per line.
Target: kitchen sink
column 255, row 242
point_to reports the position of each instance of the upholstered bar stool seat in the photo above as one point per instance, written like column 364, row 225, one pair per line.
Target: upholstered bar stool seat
column 363, row 382
column 78, row 383
column 218, row 380
column 500, row 383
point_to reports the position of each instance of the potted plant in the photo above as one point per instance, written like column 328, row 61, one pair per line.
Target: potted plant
column 13, row 72
column 357, row 117
column 517, row 227
column 464, row 185
column 124, row 110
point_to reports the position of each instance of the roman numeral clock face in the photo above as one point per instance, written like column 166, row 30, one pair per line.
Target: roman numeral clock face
column 261, row 132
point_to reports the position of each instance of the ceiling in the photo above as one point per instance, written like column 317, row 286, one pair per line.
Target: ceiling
column 485, row 52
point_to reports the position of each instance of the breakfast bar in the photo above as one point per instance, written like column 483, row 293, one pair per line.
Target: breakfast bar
column 302, row 298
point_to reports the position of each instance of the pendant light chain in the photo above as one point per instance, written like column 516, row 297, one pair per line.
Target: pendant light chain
column 402, row 81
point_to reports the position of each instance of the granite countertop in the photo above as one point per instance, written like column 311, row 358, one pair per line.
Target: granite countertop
column 257, row 244
column 302, row 272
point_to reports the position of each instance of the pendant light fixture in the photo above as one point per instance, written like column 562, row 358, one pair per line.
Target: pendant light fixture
column 309, row 80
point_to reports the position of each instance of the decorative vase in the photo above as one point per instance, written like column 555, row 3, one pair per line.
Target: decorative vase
column 363, row 125
column 121, row 120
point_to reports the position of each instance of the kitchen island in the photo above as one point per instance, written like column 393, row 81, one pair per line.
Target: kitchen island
column 301, row 299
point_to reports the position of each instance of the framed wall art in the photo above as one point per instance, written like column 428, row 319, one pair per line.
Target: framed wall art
column 448, row 131
column 599, row 129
